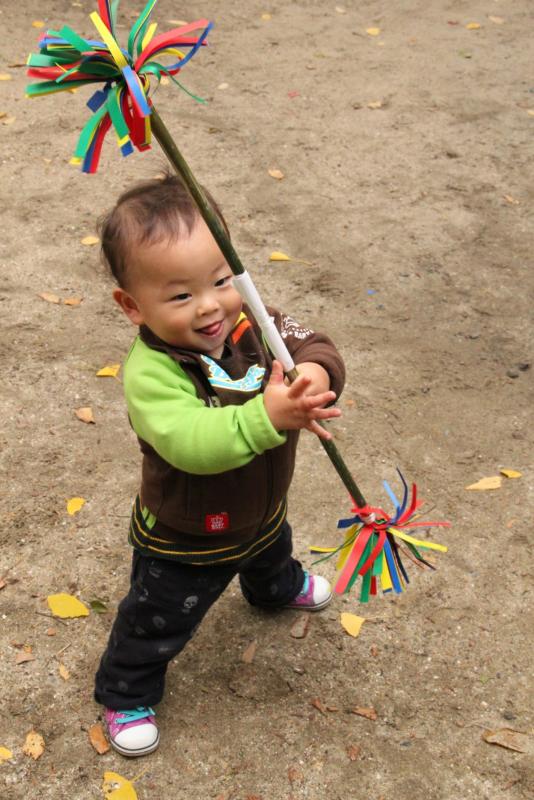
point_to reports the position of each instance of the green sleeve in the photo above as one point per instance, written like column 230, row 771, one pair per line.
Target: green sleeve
column 167, row 414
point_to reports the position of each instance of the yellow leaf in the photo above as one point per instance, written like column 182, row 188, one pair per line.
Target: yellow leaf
column 5, row 76
column 85, row 414
column 74, row 505
column 375, row 104
column 511, row 200
column 530, row 112
column 277, row 256
column 373, row 31
column 178, row 22
column 276, row 173
column 266, row 17
column 510, row 473
column 352, row 623
column 115, row 787
column 473, row 26
column 90, row 240
column 111, row 371
column 49, row 297
column 5, row 754
column 66, row 606
column 38, row 23
column 34, row 745
column 63, row 671
column 73, row 301
column 496, row 20
column 485, row 484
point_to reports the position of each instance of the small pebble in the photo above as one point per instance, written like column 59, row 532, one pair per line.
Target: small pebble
column 512, row 373
column 509, row 714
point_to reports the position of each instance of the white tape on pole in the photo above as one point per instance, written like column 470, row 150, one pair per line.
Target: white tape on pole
column 245, row 286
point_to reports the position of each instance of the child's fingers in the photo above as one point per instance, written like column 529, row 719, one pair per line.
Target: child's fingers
column 317, row 400
column 298, row 387
column 321, row 432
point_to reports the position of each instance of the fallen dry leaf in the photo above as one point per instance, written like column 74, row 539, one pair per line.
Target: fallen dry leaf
column 74, row 505
column 486, row 484
column 223, row 85
column 341, row 10
column 89, row 241
column 299, row 629
column 63, row 671
column 5, row 76
column 8, row 120
column 276, row 255
column 510, row 473
column 496, row 20
column 177, row 22
column 38, row 23
column 473, row 26
column 364, row 711
column 295, row 775
column 374, row 650
column 510, row 739
column 5, row 754
column 353, row 751
column 373, row 31
column 51, row 631
column 23, row 657
column 249, row 653
column 530, row 112
column 352, row 623
column 98, row 740
column 319, row 705
column 266, row 17
column 34, row 745
column 115, row 787
column 49, row 297
column 511, row 200
column 85, row 414
column 374, row 104
column 73, row 301
column 66, row 606
column 3, row 583
column 110, row 371
column 277, row 174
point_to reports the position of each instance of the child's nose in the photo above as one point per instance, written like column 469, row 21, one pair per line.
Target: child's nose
column 208, row 303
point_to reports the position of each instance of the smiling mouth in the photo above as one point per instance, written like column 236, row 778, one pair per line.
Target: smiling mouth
column 211, row 330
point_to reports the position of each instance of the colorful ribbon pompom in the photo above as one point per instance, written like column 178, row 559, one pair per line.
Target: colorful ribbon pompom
column 67, row 61
column 373, row 548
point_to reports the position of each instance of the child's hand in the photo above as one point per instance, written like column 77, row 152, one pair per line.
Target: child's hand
column 290, row 408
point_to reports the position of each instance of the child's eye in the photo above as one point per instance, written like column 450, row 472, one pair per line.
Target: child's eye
column 223, row 281
column 181, row 297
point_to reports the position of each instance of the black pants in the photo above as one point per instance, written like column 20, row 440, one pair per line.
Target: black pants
column 167, row 601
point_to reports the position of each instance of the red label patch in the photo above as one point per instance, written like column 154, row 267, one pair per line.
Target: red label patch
column 215, row 523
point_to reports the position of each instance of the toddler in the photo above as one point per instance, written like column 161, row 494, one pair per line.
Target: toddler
column 218, row 428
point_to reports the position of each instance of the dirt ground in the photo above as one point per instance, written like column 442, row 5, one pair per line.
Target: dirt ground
column 407, row 161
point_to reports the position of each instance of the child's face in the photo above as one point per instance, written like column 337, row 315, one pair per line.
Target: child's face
column 182, row 290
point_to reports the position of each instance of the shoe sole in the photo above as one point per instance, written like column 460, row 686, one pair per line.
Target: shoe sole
column 143, row 751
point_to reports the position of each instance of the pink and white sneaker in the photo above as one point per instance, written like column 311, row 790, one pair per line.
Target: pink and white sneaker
column 314, row 595
column 133, row 732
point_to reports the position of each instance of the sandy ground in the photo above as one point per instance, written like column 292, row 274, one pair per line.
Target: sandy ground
column 408, row 185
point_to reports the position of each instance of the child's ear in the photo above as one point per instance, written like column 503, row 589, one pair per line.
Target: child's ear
column 128, row 305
